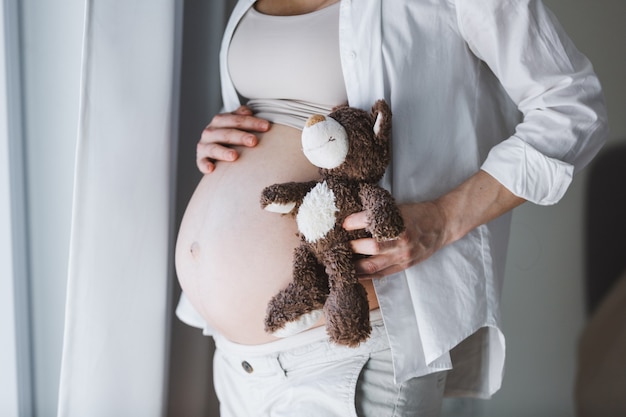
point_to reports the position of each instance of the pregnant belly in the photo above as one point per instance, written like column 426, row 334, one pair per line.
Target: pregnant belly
column 232, row 256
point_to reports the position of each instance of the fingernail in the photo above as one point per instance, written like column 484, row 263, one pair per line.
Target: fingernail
column 250, row 140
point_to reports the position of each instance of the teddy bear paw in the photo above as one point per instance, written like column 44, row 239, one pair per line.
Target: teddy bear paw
column 280, row 208
column 304, row 322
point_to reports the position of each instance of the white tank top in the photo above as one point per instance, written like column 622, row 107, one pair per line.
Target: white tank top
column 288, row 67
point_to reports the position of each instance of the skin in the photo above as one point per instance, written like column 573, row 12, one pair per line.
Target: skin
column 291, row 7
column 430, row 225
column 236, row 128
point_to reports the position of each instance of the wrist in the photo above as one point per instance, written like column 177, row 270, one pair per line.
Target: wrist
column 477, row 201
column 452, row 228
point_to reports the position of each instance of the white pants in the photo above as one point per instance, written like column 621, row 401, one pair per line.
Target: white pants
column 319, row 379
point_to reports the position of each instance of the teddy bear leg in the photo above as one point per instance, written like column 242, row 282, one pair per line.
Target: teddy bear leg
column 346, row 308
column 299, row 306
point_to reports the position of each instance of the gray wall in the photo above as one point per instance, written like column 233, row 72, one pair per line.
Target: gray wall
column 543, row 298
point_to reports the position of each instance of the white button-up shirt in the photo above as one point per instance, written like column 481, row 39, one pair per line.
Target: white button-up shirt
column 486, row 84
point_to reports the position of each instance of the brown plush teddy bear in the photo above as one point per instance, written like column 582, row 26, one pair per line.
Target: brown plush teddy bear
column 352, row 149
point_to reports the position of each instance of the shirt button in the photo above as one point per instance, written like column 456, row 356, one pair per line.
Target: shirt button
column 247, row 367
column 352, row 55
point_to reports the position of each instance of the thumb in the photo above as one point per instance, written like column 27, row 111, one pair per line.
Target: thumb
column 356, row 221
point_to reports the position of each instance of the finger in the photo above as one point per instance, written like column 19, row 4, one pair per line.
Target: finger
column 378, row 266
column 356, row 221
column 205, row 165
column 366, row 246
column 228, row 136
column 382, row 273
column 384, row 256
column 371, row 266
column 243, row 110
column 215, row 152
column 239, row 121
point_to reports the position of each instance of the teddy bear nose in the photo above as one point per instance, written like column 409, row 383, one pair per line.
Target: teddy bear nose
column 316, row 118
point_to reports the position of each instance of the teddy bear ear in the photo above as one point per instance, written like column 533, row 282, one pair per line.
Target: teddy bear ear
column 382, row 116
column 377, row 123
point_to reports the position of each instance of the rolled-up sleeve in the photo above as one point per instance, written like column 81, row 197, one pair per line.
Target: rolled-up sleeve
column 554, row 87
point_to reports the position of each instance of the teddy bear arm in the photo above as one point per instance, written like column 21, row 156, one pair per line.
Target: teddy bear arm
column 385, row 220
column 285, row 197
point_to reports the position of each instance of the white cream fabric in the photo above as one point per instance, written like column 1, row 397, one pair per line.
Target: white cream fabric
column 297, row 57
column 116, row 331
column 296, row 62
column 491, row 84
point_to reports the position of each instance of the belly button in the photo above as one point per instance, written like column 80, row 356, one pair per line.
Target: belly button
column 195, row 250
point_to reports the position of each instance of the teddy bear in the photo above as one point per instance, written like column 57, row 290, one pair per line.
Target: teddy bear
column 352, row 148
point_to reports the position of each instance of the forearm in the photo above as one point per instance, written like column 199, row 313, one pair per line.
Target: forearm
column 478, row 200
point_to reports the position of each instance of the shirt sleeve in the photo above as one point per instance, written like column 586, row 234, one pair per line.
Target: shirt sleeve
column 554, row 87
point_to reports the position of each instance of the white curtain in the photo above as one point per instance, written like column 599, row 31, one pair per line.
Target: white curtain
column 118, row 303
column 15, row 366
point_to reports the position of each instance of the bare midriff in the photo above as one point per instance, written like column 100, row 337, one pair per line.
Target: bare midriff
column 232, row 256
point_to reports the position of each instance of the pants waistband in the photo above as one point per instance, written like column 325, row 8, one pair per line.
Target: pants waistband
column 289, row 343
column 260, row 361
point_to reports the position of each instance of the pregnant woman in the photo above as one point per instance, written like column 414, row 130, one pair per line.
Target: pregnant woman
column 231, row 256
column 492, row 106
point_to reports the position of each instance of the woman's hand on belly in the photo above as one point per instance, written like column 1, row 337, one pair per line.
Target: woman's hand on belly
column 226, row 130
